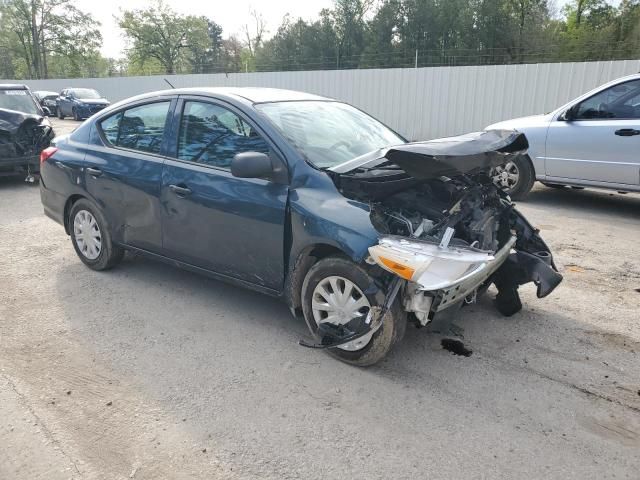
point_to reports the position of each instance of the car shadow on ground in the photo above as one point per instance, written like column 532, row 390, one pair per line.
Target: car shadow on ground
column 228, row 359
column 142, row 299
column 587, row 200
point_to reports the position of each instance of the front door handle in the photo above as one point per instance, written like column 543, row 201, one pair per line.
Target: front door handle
column 627, row 132
column 94, row 172
column 180, row 191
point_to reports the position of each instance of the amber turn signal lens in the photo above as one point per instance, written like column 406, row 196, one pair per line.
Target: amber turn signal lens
column 397, row 268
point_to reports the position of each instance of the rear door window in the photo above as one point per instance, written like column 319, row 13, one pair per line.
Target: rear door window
column 139, row 128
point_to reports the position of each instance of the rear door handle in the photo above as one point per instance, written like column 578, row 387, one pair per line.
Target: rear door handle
column 627, row 132
column 94, row 171
column 181, row 191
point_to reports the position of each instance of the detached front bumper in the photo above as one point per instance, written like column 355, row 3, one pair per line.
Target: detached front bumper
column 465, row 286
column 441, row 277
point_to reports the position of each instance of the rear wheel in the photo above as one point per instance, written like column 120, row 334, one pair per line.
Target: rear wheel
column 90, row 237
column 60, row 114
column 516, row 177
column 76, row 117
column 337, row 290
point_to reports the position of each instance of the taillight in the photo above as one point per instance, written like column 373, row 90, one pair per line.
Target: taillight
column 46, row 153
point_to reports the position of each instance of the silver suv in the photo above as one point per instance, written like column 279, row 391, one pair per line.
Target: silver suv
column 592, row 141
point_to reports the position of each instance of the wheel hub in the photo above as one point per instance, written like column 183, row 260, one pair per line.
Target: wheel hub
column 87, row 234
column 338, row 300
column 506, row 176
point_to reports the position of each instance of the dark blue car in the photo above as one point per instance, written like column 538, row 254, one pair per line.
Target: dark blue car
column 303, row 198
column 79, row 103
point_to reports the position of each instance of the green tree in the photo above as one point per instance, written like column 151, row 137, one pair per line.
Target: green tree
column 41, row 31
column 159, row 34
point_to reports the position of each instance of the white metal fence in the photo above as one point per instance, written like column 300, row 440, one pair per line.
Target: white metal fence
column 420, row 103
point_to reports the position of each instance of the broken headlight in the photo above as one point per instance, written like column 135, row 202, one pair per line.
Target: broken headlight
column 430, row 265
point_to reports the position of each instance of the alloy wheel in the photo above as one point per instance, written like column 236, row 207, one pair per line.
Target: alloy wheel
column 506, row 176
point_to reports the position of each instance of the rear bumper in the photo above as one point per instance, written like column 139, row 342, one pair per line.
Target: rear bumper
column 53, row 203
column 20, row 164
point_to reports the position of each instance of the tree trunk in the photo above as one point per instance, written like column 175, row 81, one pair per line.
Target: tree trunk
column 35, row 41
column 579, row 12
column 45, row 66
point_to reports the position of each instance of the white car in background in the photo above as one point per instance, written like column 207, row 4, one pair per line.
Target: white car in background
column 592, row 141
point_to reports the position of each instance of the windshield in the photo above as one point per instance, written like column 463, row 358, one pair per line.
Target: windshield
column 328, row 133
column 85, row 93
column 18, row 100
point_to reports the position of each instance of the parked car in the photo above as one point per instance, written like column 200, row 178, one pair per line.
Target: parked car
column 300, row 197
column 79, row 103
column 48, row 100
column 592, row 141
column 24, row 131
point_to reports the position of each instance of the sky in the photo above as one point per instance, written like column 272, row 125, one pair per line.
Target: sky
column 230, row 14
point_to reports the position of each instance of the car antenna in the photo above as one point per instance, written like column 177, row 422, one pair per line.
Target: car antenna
column 169, row 83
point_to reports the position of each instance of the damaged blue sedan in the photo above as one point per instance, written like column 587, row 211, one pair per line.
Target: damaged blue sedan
column 303, row 198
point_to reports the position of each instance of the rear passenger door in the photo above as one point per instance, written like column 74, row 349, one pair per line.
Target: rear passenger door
column 123, row 173
column 211, row 219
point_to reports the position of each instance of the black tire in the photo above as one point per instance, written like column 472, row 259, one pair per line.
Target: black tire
column 526, row 178
column 110, row 254
column 393, row 327
column 76, row 117
column 60, row 115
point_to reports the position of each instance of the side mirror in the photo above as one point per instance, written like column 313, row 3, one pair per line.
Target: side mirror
column 46, row 111
column 570, row 114
column 251, row 165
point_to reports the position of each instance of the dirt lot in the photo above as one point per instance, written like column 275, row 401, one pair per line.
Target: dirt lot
column 149, row 372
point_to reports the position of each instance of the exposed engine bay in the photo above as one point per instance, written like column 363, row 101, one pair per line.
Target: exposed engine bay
column 22, row 138
column 445, row 228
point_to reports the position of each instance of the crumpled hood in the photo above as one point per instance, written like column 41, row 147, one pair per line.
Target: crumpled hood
column 11, row 120
column 446, row 157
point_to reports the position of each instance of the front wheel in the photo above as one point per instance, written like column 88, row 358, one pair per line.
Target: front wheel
column 337, row 290
column 90, row 237
column 516, row 177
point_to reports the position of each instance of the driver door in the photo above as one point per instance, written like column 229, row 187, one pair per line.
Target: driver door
column 602, row 141
column 211, row 219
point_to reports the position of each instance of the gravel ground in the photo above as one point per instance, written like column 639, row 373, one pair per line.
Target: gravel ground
column 150, row 372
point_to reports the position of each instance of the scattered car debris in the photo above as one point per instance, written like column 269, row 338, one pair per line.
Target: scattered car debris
column 456, row 347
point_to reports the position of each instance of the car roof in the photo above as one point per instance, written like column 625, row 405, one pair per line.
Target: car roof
column 251, row 94
column 13, row 86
